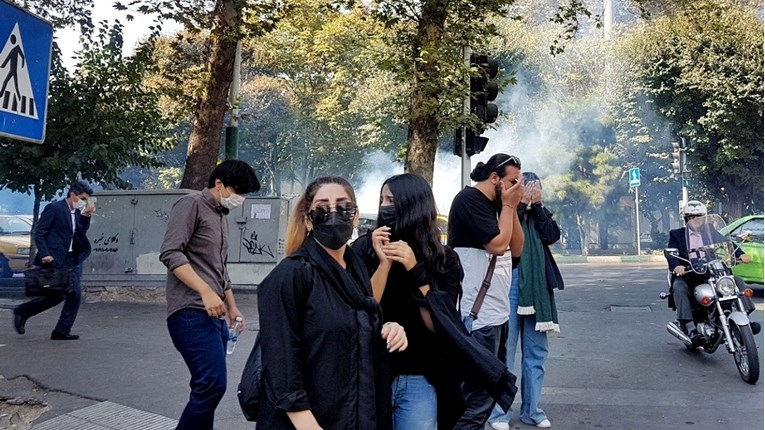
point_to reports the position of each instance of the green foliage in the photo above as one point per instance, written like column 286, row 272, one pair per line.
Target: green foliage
column 258, row 16
column 323, row 104
column 701, row 69
column 101, row 120
column 61, row 13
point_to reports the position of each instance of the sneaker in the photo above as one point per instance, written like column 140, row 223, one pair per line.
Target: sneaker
column 500, row 426
column 544, row 424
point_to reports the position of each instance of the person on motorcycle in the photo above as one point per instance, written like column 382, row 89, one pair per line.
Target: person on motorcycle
column 684, row 281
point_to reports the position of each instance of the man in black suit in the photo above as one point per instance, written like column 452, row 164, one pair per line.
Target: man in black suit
column 60, row 237
column 683, row 281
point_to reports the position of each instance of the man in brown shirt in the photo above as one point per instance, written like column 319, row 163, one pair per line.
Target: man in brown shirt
column 199, row 295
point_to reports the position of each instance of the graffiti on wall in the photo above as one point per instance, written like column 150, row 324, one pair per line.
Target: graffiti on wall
column 106, row 243
column 254, row 248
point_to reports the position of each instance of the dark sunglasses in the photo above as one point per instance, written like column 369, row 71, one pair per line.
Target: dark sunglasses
column 321, row 213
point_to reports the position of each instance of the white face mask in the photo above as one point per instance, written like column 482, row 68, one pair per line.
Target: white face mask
column 80, row 204
column 232, row 201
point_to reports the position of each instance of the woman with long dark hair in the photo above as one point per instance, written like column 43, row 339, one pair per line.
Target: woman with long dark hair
column 407, row 261
column 324, row 344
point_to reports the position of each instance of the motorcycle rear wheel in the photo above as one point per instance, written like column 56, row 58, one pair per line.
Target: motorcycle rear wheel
column 745, row 354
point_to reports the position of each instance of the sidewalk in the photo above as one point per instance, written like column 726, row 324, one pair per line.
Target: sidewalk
column 610, row 259
column 125, row 356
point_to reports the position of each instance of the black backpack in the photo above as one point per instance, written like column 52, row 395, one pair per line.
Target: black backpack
column 250, row 390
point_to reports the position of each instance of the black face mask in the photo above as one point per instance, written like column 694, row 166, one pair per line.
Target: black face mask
column 388, row 218
column 334, row 232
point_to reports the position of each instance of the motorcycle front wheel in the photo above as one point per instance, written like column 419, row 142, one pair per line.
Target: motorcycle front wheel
column 745, row 354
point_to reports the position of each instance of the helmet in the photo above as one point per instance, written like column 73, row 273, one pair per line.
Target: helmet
column 694, row 208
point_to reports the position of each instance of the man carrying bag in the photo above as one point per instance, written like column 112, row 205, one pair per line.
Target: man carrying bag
column 483, row 224
column 62, row 246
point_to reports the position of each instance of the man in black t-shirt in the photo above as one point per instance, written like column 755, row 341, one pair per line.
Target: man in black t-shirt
column 482, row 222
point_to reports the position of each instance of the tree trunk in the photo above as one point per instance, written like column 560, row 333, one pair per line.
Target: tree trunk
column 603, row 232
column 736, row 202
column 35, row 218
column 423, row 121
column 205, row 139
column 583, row 240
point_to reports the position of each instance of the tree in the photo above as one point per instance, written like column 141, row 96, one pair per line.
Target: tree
column 702, row 70
column 227, row 21
column 61, row 13
column 431, row 63
column 101, row 120
column 316, row 99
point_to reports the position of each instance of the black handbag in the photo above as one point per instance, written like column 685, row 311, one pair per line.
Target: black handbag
column 250, row 391
column 47, row 281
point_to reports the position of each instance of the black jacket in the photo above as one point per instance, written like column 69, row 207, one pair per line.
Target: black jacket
column 53, row 234
column 321, row 344
column 678, row 240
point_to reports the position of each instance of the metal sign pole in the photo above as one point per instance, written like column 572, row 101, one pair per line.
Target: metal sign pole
column 637, row 219
column 465, row 110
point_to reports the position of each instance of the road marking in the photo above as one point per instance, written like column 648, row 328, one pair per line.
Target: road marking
column 622, row 308
column 108, row 416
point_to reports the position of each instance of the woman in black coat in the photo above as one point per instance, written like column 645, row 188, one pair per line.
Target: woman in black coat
column 324, row 344
column 406, row 260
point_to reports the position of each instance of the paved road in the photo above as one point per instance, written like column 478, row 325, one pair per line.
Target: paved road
column 613, row 366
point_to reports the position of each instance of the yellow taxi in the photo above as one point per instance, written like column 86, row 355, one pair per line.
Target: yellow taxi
column 15, row 236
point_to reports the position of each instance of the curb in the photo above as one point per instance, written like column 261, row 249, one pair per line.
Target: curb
column 609, row 259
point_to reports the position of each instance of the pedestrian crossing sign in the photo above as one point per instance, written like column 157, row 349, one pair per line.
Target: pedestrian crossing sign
column 26, row 41
column 634, row 177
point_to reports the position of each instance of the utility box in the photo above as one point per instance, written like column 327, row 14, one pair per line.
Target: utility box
column 128, row 227
column 125, row 234
column 256, row 235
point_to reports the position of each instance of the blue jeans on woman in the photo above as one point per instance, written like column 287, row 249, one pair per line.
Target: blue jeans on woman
column 414, row 403
column 533, row 356
column 201, row 340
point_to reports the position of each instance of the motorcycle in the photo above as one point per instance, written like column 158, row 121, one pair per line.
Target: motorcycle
column 719, row 312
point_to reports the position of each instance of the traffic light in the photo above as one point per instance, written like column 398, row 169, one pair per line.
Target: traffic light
column 483, row 89
column 679, row 165
column 676, row 156
column 474, row 144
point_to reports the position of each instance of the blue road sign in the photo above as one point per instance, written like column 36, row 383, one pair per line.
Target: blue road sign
column 634, row 177
column 26, row 42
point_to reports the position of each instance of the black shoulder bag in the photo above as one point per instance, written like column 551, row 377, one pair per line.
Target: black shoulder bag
column 251, row 388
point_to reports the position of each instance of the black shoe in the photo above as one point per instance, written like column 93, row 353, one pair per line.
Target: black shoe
column 61, row 336
column 756, row 327
column 697, row 339
column 18, row 323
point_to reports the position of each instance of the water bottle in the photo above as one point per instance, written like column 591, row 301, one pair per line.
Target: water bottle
column 233, row 335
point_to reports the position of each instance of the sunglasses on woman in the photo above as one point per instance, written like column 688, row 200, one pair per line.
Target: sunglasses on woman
column 320, row 214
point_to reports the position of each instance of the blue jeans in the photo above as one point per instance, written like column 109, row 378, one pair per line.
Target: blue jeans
column 201, row 340
column 71, row 300
column 414, row 403
column 478, row 402
column 533, row 356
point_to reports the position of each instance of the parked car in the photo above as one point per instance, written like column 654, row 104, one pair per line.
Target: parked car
column 752, row 272
column 15, row 235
